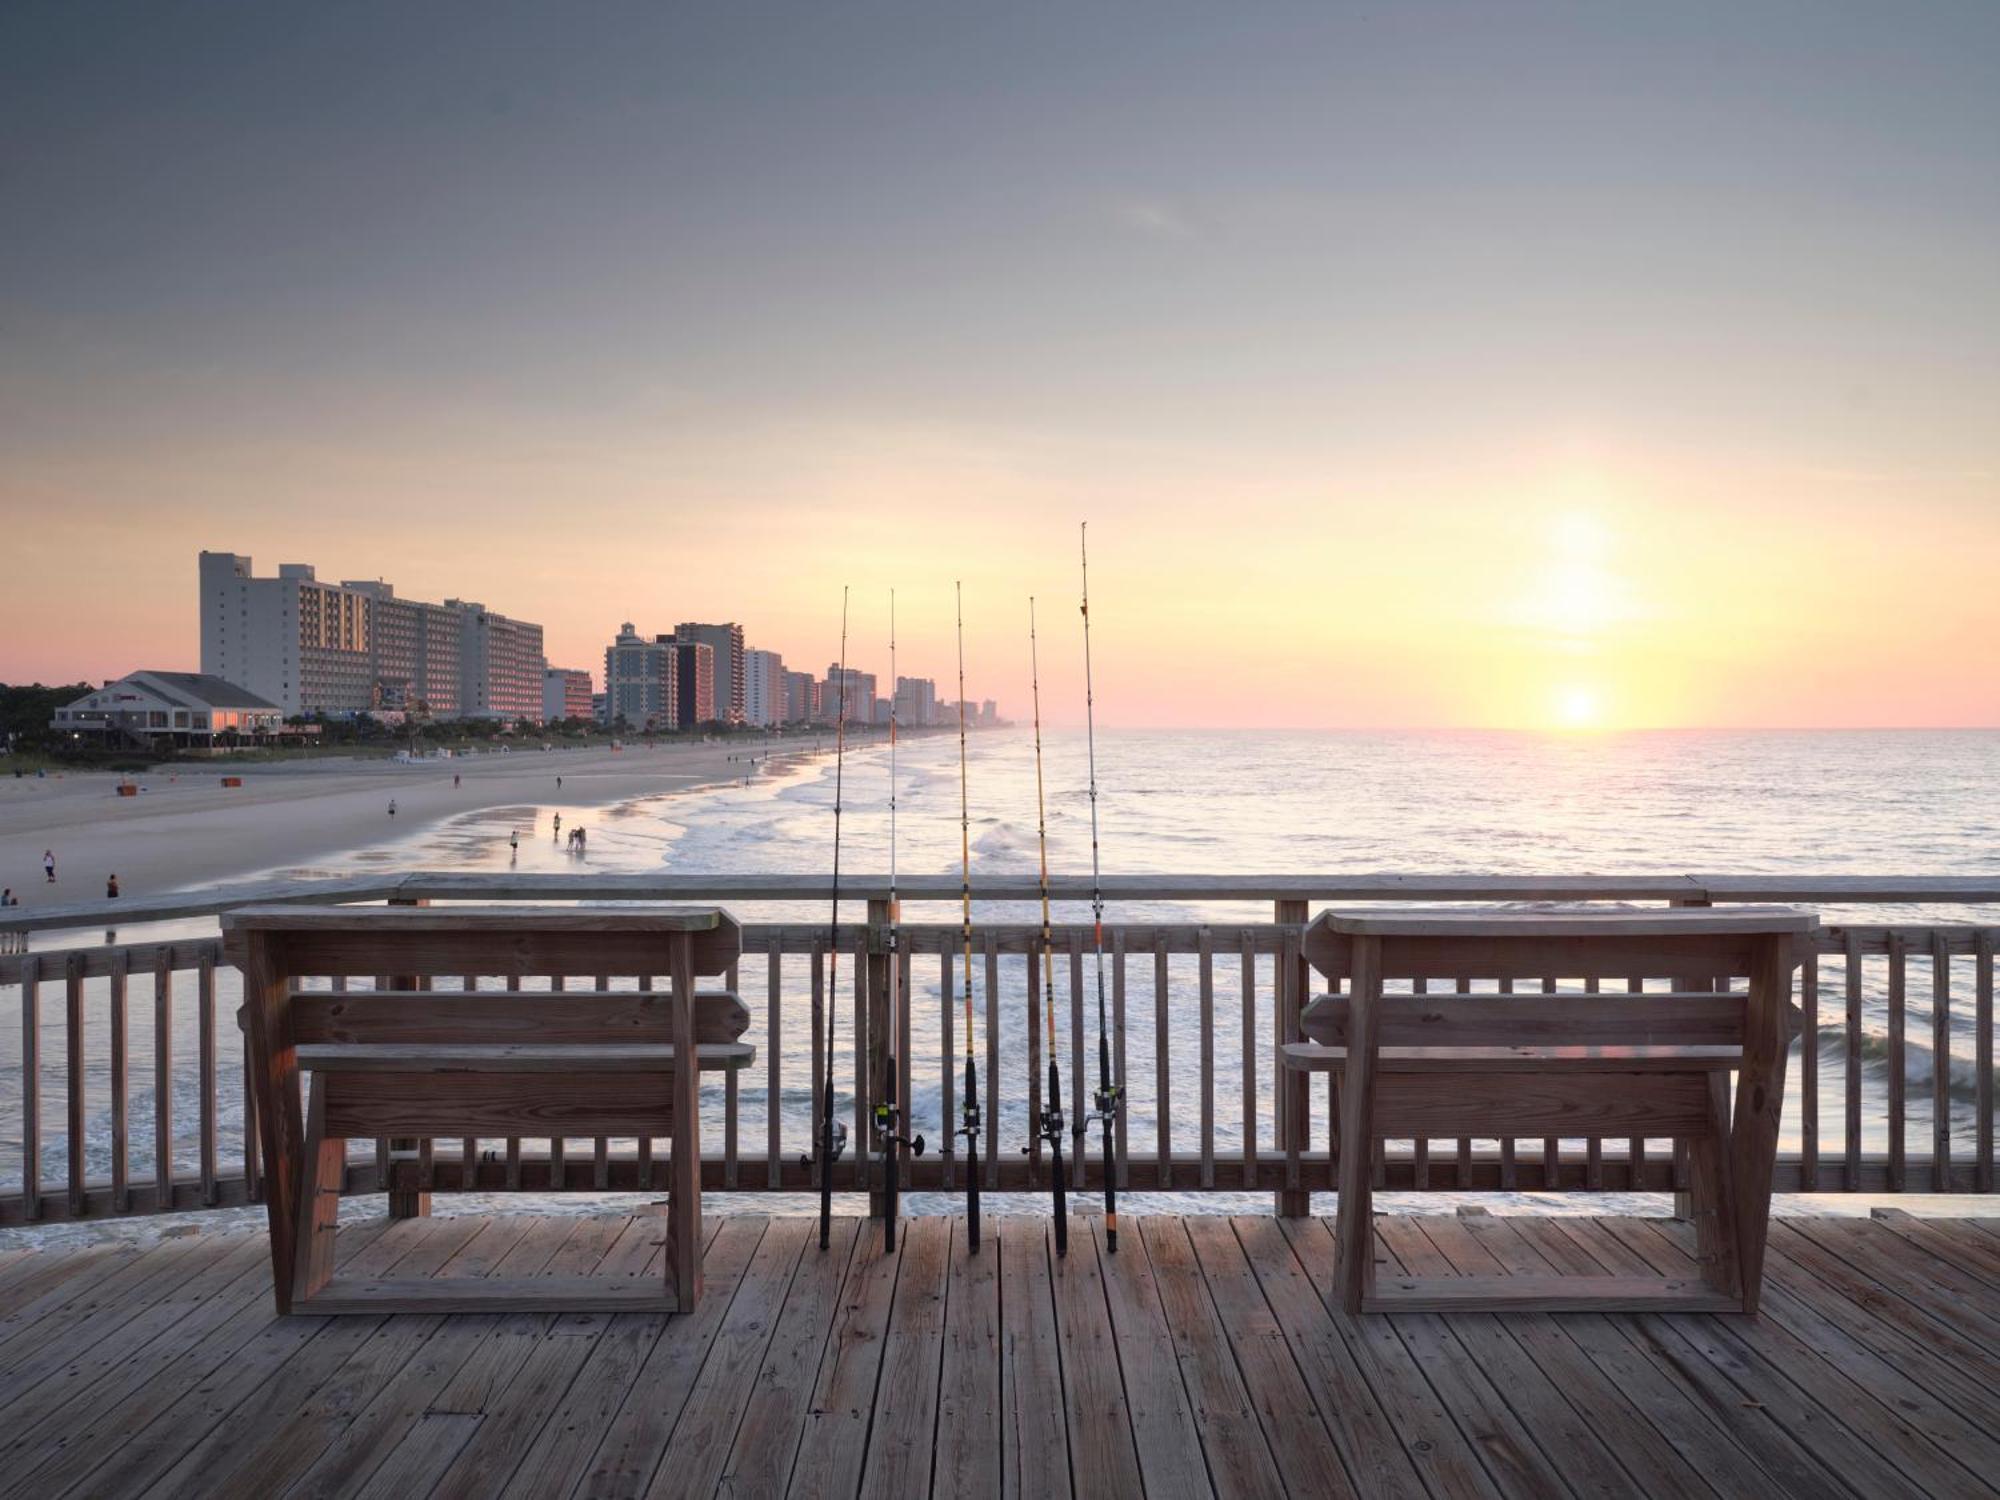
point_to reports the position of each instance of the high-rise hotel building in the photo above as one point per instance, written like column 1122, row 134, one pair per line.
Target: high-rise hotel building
column 665, row 681
column 725, row 644
column 415, row 652
column 694, row 672
column 641, row 680
column 763, row 688
column 567, row 694
column 500, row 664
column 354, row 647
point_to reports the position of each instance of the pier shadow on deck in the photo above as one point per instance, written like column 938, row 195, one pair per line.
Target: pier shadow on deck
column 1201, row 1358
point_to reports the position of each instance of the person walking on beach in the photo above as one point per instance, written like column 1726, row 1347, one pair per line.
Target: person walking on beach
column 392, row 807
column 559, row 783
column 49, row 864
column 111, row 888
column 454, row 774
column 558, row 825
column 514, row 841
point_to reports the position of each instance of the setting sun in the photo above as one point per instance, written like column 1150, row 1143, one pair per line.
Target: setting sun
column 1578, row 708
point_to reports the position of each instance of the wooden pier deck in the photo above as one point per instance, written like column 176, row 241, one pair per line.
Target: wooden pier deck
column 1201, row 1359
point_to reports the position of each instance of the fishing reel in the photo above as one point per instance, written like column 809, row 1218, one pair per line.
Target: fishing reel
column 1105, row 1103
column 969, row 1123
column 811, row 1158
column 1050, row 1128
column 886, row 1118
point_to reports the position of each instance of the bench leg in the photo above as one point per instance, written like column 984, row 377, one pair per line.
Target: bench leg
column 1760, row 1099
column 407, row 1198
column 684, row 1191
column 319, row 1200
column 1354, row 1230
column 408, row 1184
column 1712, row 1198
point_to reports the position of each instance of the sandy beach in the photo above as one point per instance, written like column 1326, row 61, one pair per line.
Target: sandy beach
column 185, row 828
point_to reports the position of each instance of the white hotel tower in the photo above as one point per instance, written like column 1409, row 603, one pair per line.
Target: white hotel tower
column 345, row 648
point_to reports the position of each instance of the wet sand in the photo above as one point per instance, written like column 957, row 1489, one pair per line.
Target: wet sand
column 186, row 829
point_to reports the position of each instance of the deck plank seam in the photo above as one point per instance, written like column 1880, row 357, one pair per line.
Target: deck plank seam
column 1479, row 1385
column 1641, row 1352
column 587, row 1470
column 1426, row 1225
column 1247, row 1377
column 854, row 1244
column 1740, row 1419
column 1136, row 1242
column 1647, row 1240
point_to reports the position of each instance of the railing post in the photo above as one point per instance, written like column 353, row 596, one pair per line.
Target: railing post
column 73, row 1085
column 1683, row 1198
column 881, row 1052
column 409, row 1197
column 1293, row 1113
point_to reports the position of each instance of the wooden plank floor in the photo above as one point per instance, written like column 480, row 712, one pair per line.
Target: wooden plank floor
column 1201, row 1359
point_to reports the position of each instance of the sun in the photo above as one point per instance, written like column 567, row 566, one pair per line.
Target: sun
column 1578, row 708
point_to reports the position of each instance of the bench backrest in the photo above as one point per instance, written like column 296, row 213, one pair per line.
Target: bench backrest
column 511, row 942
column 1417, row 951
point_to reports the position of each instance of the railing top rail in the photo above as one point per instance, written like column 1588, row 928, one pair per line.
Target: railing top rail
column 95, row 960
column 1022, row 886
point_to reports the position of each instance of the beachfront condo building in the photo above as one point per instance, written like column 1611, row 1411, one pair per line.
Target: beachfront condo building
column 413, row 651
column 725, row 644
column 859, row 699
column 763, row 689
column 500, row 665
column 290, row 640
column 566, row 694
column 641, row 681
column 664, row 681
column 695, row 670
column 338, row 649
column 916, row 701
column 801, row 698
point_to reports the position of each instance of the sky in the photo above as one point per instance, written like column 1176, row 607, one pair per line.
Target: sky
column 1544, row 366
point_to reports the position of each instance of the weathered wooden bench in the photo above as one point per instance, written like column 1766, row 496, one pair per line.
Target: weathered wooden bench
column 402, row 1060
column 1422, row 1065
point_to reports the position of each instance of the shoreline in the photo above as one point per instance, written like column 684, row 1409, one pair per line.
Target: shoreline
column 186, row 829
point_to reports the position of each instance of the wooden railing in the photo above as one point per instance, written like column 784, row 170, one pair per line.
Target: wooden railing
column 1207, row 1111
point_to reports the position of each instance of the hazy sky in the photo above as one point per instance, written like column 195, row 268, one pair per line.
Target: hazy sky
column 1414, row 364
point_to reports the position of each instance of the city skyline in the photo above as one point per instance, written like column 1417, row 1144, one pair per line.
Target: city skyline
column 1451, row 365
column 337, row 647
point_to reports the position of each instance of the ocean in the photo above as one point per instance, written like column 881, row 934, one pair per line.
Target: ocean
column 1253, row 803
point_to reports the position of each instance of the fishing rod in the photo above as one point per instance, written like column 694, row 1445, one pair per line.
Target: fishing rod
column 1110, row 1095
column 968, row 1115
column 832, row 1132
column 1051, row 1124
column 888, row 1115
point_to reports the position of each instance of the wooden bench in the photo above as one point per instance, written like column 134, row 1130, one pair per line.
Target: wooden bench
column 1422, row 1065
column 399, row 1060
